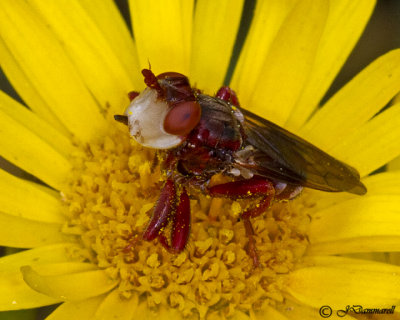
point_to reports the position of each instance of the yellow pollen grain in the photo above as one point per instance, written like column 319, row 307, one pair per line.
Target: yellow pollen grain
column 152, row 261
column 112, row 191
column 236, row 209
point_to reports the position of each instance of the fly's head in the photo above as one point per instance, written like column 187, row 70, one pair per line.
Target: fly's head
column 164, row 113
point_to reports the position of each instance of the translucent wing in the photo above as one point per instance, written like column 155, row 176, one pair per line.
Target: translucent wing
column 284, row 156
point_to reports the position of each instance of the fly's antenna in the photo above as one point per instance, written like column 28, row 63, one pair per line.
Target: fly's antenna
column 121, row 118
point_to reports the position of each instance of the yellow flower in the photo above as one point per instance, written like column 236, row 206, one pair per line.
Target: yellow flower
column 72, row 63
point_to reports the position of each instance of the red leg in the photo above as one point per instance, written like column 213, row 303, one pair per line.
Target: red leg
column 261, row 207
column 227, row 94
column 180, row 226
column 252, row 242
column 250, row 188
column 162, row 211
column 181, row 223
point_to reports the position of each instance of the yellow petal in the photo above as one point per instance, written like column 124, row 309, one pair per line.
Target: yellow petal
column 294, row 310
column 355, row 103
column 187, row 23
column 239, row 315
column 27, row 89
column 380, row 187
column 373, row 285
column 54, row 253
column 84, row 309
column 354, row 264
column 372, row 256
column 289, row 61
column 386, row 183
column 21, row 198
column 59, row 268
column 24, row 233
column 160, row 30
column 44, row 62
column 14, row 292
column 394, row 164
column 93, row 54
column 115, row 307
column 383, row 183
column 346, row 21
column 379, row 243
column 375, row 215
column 26, row 150
column 143, row 312
column 374, row 144
column 60, row 142
column 267, row 20
column 214, row 32
column 397, row 98
column 270, row 314
column 394, row 258
column 73, row 287
column 108, row 19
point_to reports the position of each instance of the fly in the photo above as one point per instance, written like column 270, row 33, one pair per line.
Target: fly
column 201, row 135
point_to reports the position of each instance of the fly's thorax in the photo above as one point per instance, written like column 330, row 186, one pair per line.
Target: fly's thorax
column 218, row 127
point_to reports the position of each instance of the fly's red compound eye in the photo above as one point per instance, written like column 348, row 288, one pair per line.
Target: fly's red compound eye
column 182, row 118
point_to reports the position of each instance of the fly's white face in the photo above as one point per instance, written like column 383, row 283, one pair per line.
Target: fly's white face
column 146, row 115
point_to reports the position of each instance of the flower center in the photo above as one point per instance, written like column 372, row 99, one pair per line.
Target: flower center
column 110, row 198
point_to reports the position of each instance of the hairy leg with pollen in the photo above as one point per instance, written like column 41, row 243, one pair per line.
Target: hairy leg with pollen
column 167, row 209
column 255, row 187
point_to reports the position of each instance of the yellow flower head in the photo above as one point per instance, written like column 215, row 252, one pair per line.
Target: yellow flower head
column 73, row 62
